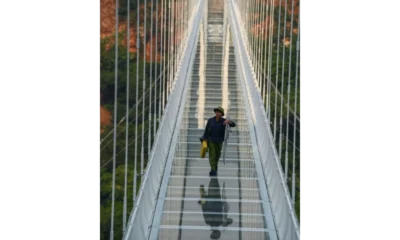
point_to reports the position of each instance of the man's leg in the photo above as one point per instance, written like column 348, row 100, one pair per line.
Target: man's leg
column 212, row 155
column 218, row 153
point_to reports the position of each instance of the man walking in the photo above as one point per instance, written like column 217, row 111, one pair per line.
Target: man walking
column 214, row 134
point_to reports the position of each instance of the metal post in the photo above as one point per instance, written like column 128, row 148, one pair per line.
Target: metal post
column 301, row 32
column 97, row 119
column 115, row 120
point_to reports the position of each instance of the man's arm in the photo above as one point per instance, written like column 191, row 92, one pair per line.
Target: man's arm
column 230, row 122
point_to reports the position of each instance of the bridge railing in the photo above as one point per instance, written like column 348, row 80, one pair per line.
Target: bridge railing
column 285, row 218
column 140, row 221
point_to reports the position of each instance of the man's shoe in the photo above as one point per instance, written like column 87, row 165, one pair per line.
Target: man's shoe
column 213, row 173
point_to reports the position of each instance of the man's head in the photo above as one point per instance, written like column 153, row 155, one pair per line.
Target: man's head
column 219, row 111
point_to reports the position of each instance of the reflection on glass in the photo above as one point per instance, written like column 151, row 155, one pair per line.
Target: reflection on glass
column 215, row 208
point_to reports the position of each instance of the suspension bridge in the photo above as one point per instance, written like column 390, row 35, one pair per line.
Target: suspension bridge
column 241, row 55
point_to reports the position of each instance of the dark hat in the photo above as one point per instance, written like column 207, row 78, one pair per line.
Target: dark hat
column 220, row 109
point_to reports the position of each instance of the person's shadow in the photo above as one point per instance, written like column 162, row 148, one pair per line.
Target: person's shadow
column 215, row 208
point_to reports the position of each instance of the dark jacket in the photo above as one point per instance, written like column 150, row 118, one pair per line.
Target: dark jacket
column 215, row 130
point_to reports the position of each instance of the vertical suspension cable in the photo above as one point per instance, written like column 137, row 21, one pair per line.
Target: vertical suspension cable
column 162, row 55
column 179, row 33
column 97, row 118
column 258, row 49
column 115, row 120
column 295, row 121
column 267, row 53
column 225, row 62
column 182, row 25
column 254, row 13
column 144, row 88
column 127, row 120
column 150, row 79
column 256, row 34
column 246, row 14
column 248, row 29
column 256, row 23
column 185, row 18
column 246, row 24
column 251, row 12
column 288, row 95
column 187, row 14
column 171, row 80
column 180, row 28
column 249, row 18
column 243, row 15
column 166, row 50
column 174, row 50
column 187, row 8
column 156, row 76
column 241, row 7
column 169, row 50
column 266, row 56
column 181, row 21
column 261, row 45
column 190, row 13
column 277, row 68
column 184, row 11
column 164, row 73
column 224, row 23
column 260, row 32
column 269, row 49
column 263, row 41
column 137, row 96
column 271, row 39
column 176, row 47
column 173, row 45
column 282, row 83
column 205, row 26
